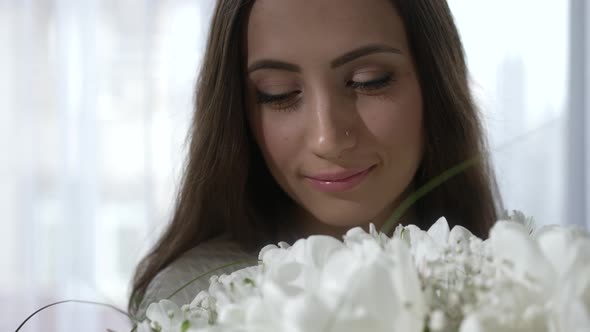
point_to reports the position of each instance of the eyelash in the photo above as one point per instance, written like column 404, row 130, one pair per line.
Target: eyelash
column 372, row 85
column 278, row 100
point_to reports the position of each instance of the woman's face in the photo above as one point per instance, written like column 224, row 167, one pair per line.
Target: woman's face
column 335, row 107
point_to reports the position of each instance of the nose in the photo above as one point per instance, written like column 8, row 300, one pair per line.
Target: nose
column 332, row 129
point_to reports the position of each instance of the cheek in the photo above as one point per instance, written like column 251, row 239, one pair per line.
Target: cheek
column 279, row 136
column 394, row 121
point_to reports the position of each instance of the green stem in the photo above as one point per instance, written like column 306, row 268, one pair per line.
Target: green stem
column 437, row 181
column 425, row 189
column 74, row 301
column 209, row 272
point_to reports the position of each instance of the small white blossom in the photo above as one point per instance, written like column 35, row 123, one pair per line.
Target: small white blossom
column 165, row 316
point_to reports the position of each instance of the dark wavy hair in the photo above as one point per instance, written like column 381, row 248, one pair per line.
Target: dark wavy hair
column 217, row 194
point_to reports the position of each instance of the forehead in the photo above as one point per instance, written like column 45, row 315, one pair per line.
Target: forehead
column 289, row 28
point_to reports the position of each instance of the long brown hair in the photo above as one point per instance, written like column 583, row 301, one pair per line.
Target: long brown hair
column 217, row 194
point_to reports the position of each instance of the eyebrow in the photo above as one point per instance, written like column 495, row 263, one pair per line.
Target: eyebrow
column 273, row 64
column 338, row 62
column 361, row 52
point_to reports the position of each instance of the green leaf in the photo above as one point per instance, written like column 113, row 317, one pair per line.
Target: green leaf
column 185, row 326
column 249, row 281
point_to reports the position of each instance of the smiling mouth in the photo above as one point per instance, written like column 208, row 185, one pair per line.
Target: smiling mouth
column 340, row 182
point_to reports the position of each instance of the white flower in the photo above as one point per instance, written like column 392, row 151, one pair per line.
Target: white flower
column 426, row 246
column 542, row 284
column 358, row 235
column 442, row 279
column 451, row 263
column 381, row 282
column 568, row 251
column 227, row 289
column 322, row 284
column 202, row 311
column 165, row 316
column 144, row 326
column 295, row 268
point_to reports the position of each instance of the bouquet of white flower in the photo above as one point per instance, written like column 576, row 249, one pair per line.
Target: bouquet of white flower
column 437, row 280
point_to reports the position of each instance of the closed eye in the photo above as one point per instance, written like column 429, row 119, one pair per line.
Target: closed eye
column 284, row 102
column 373, row 84
column 265, row 98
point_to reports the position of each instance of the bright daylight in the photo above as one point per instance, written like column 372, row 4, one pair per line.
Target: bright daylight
column 288, row 165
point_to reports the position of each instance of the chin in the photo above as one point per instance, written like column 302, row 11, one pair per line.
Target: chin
column 330, row 216
column 342, row 218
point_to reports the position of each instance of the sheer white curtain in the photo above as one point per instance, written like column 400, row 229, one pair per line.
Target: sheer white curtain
column 95, row 99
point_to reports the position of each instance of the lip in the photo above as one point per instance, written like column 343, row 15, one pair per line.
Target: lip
column 339, row 181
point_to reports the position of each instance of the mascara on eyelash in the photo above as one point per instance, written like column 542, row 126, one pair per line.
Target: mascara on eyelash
column 263, row 98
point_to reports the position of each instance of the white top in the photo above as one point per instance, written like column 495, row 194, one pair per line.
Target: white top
column 195, row 262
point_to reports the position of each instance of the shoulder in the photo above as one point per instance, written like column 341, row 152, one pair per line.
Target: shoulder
column 203, row 261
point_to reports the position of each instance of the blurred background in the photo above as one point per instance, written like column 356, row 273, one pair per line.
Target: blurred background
column 95, row 101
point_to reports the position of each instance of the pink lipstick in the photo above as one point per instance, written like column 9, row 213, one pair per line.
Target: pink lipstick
column 339, row 181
